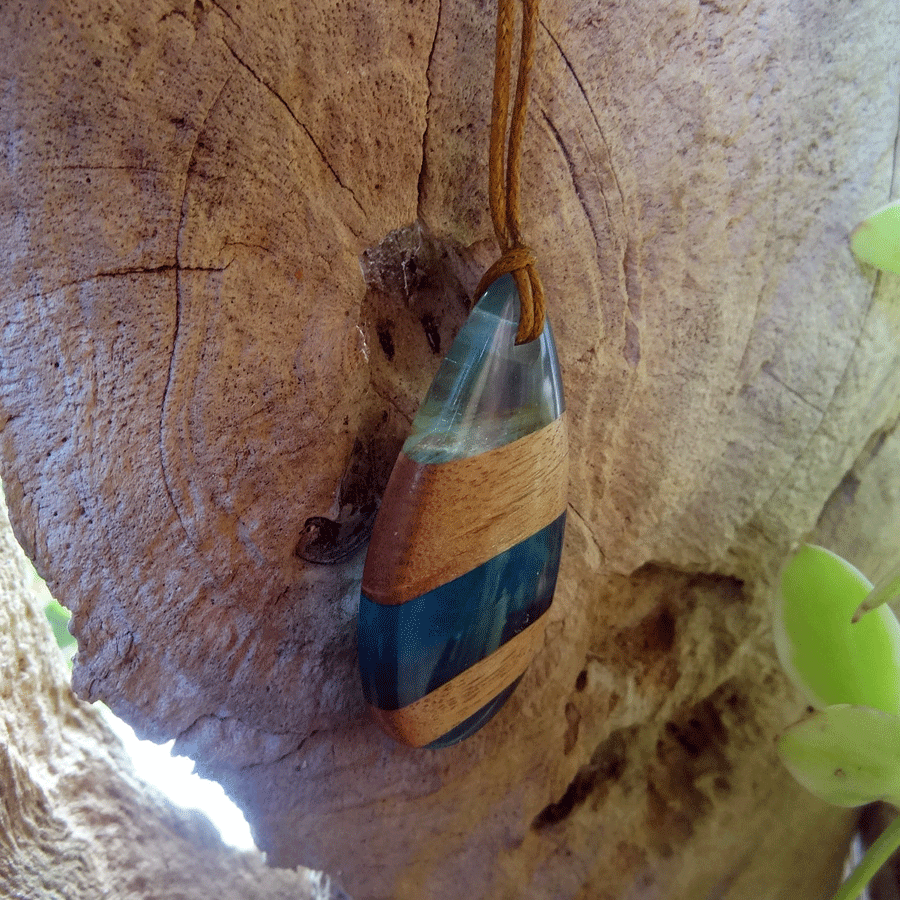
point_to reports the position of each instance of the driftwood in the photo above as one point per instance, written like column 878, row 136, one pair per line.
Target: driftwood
column 202, row 393
column 76, row 822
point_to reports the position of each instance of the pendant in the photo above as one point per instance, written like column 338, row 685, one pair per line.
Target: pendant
column 465, row 550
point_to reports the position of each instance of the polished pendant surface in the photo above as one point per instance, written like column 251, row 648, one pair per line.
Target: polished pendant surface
column 465, row 551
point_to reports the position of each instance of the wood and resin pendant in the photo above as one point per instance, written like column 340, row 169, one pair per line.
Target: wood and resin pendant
column 465, row 550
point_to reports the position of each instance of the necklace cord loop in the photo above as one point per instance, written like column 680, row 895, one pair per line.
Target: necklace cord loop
column 505, row 173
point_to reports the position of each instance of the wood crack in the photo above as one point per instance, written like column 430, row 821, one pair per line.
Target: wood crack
column 570, row 163
column 587, row 101
column 300, row 124
column 391, row 402
column 294, row 751
column 767, row 369
column 627, row 260
column 183, row 736
column 179, row 313
column 587, row 529
column 139, row 270
column 136, row 270
column 851, row 356
column 97, row 167
column 162, row 269
column 225, row 13
column 422, row 168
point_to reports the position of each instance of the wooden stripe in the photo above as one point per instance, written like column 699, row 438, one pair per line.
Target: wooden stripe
column 431, row 717
column 439, row 521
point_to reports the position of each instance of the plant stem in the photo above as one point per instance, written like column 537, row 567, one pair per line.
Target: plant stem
column 876, row 856
column 887, row 590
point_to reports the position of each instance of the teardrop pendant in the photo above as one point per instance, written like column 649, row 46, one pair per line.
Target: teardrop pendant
column 465, row 550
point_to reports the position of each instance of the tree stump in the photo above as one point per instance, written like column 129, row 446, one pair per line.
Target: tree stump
column 238, row 239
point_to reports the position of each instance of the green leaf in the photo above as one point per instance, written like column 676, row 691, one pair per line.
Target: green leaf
column 845, row 755
column 877, row 240
column 831, row 658
column 59, row 621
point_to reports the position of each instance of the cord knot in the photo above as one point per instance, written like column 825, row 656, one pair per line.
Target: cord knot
column 522, row 264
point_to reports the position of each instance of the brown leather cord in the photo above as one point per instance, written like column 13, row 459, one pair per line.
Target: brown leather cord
column 505, row 171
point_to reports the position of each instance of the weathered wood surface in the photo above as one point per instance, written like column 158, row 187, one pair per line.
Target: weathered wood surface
column 76, row 822
column 201, row 400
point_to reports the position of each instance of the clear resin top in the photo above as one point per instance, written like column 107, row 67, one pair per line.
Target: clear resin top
column 488, row 392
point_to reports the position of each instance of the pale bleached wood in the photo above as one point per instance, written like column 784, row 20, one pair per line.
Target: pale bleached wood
column 439, row 521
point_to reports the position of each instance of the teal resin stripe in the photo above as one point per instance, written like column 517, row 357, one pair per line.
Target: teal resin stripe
column 408, row 650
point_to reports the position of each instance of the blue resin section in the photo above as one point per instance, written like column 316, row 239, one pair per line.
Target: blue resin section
column 488, row 392
column 410, row 649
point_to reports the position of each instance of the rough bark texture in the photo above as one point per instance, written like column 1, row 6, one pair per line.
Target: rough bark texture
column 75, row 822
column 202, row 396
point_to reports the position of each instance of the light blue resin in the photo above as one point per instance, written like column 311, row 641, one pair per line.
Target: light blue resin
column 488, row 392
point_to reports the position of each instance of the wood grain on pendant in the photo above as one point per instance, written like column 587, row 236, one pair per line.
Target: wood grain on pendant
column 444, row 519
column 429, row 718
